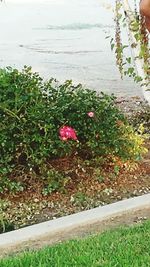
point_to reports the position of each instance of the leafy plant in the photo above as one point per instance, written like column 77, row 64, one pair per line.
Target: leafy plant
column 54, row 181
column 141, row 120
column 137, row 27
column 8, row 185
column 79, row 199
column 5, row 226
column 41, row 121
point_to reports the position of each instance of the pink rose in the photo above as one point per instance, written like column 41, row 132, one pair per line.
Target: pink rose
column 91, row 114
column 66, row 133
column 63, row 138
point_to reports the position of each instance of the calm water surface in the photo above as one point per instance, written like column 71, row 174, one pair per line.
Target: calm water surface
column 64, row 39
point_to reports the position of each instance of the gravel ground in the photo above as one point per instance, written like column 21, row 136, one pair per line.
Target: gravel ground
column 131, row 105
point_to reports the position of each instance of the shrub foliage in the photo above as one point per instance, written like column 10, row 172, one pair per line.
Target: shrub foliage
column 33, row 111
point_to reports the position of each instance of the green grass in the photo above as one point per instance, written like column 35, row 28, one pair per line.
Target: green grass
column 126, row 247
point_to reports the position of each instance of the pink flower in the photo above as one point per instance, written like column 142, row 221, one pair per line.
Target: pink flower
column 64, row 138
column 66, row 133
column 91, row 114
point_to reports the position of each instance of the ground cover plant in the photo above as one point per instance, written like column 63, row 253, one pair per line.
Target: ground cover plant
column 127, row 246
column 60, row 142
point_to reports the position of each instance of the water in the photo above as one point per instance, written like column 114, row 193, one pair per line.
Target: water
column 64, row 39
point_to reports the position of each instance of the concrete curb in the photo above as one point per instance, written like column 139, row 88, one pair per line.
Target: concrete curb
column 69, row 223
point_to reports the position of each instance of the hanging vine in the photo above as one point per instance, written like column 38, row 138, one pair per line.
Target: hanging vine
column 124, row 63
column 145, row 51
column 118, row 40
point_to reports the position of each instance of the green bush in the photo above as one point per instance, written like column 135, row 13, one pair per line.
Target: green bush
column 32, row 112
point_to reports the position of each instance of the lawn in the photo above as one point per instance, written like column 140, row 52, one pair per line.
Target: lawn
column 128, row 246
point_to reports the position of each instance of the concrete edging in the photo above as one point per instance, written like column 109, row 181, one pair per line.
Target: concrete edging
column 31, row 234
